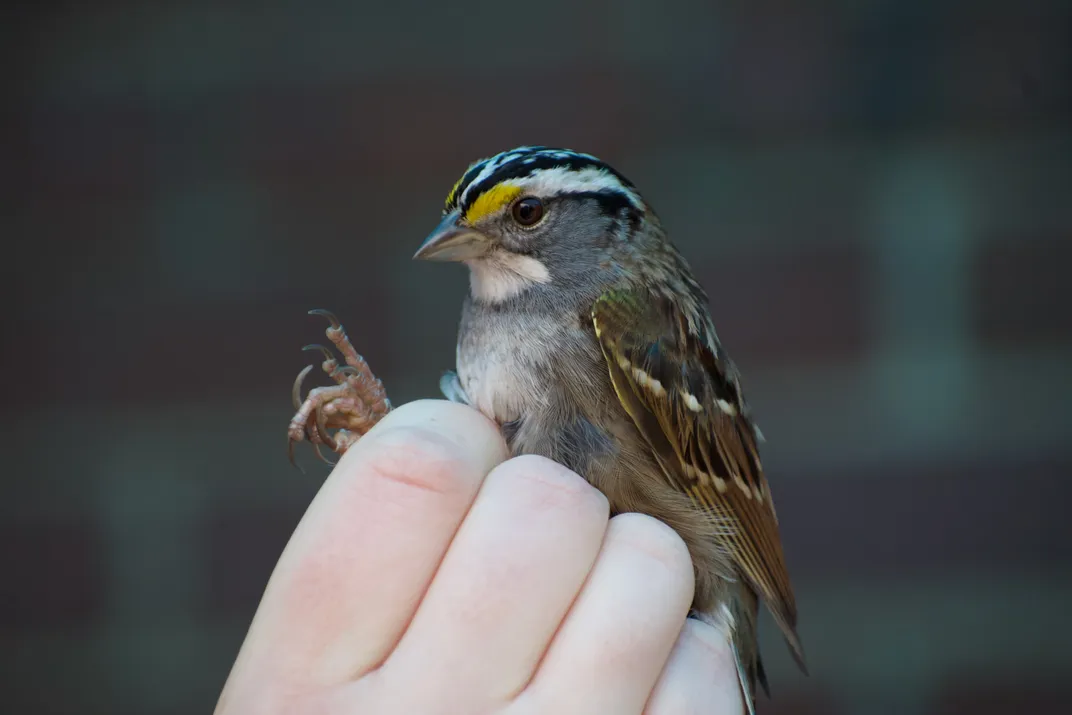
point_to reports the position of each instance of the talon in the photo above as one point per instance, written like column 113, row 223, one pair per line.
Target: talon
column 328, row 357
column 290, row 456
column 330, row 364
column 321, row 457
column 311, row 433
column 353, row 405
column 322, row 428
column 295, row 392
column 329, row 315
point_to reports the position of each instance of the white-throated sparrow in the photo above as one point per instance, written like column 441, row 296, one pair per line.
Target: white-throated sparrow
column 587, row 339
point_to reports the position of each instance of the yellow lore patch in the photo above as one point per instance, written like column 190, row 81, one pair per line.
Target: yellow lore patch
column 491, row 201
column 452, row 197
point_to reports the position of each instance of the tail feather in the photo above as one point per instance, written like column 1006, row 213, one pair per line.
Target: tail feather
column 761, row 676
column 747, row 688
column 736, row 621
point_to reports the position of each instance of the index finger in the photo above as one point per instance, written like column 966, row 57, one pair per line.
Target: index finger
column 359, row 562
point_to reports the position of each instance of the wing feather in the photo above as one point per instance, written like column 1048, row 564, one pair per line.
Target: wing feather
column 684, row 397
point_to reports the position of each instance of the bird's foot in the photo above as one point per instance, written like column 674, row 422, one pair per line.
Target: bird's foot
column 351, row 406
column 451, row 387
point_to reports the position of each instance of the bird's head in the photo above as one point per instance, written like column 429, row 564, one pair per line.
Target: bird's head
column 534, row 216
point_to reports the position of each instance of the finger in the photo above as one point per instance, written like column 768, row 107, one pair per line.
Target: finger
column 508, row 580
column 700, row 676
column 614, row 643
column 364, row 553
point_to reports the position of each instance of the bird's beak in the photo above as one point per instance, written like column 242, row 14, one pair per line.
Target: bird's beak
column 453, row 242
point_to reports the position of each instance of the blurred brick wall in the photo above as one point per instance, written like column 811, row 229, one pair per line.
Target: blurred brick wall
column 876, row 196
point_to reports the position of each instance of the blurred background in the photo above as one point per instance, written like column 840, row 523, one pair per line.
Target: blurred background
column 877, row 195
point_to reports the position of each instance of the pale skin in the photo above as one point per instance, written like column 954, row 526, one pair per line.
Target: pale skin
column 432, row 575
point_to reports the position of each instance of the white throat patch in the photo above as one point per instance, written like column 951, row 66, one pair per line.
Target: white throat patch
column 503, row 275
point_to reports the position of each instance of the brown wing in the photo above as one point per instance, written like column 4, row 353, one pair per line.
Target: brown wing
column 685, row 399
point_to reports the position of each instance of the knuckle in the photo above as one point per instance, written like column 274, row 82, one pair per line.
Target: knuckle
column 653, row 538
column 418, row 458
column 549, row 485
column 451, row 416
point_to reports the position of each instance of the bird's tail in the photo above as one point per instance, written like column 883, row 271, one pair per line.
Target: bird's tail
column 747, row 677
column 737, row 621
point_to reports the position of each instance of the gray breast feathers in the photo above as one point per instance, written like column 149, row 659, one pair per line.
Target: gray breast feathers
column 509, row 362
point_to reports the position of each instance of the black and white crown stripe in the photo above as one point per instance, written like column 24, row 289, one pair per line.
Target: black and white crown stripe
column 544, row 171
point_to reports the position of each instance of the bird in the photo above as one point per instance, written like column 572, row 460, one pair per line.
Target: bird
column 585, row 336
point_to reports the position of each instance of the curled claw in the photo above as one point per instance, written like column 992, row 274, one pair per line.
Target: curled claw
column 329, row 315
column 315, row 346
column 330, row 364
column 321, row 457
column 290, row 455
column 295, row 392
column 356, row 402
column 322, row 427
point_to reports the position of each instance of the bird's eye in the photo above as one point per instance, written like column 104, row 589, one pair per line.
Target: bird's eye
column 528, row 211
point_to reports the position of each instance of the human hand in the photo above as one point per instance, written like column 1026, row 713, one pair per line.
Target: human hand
column 430, row 576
